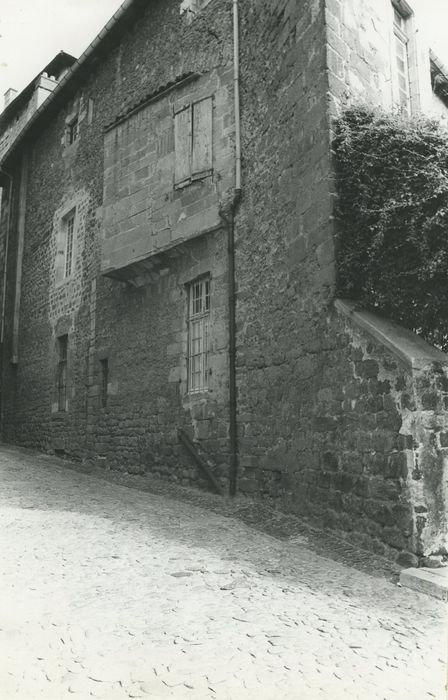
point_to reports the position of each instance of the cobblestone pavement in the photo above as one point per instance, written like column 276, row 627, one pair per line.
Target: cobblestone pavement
column 111, row 593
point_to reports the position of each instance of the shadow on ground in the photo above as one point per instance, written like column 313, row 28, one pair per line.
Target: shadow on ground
column 251, row 512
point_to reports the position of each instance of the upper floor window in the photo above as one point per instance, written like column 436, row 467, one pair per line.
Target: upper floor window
column 72, row 131
column 69, row 238
column 66, row 247
column 402, row 48
column 193, row 142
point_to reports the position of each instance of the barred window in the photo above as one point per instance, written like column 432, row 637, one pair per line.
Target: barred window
column 198, row 335
column 70, row 229
column 62, row 372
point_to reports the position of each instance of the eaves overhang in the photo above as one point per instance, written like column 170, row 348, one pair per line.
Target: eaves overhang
column 439, row 77
column 120, row 20
column 62, row 61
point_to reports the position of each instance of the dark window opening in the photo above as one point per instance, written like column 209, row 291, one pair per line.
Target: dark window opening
column 72, row 131
column 62, row 372
column 104, row 381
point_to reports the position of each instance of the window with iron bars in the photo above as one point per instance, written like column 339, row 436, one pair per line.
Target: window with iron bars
column 198, row 335
column 69, row 236
column 62, row 372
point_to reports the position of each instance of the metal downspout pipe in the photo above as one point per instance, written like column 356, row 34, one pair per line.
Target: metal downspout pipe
column 5, row 275
column 231, row 260
column 236, row 90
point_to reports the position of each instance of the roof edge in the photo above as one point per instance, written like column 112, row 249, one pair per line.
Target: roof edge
column 16, row 103
column 72, row 73
column 439, row 77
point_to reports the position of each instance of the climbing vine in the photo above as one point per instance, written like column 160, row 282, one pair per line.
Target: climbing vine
column 392, row 246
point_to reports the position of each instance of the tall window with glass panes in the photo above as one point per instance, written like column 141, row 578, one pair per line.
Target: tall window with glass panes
column 402, row 77
column 198, row 334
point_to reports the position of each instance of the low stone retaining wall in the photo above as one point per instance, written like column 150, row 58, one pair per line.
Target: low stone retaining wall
column 387, row 466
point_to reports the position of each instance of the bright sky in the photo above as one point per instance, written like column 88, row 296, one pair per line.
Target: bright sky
column 33, row 31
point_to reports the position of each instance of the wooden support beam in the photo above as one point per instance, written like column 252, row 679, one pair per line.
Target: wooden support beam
column 203, row 466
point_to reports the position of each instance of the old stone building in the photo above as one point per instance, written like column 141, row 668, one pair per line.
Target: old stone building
column 168, row 222
column 19, row 108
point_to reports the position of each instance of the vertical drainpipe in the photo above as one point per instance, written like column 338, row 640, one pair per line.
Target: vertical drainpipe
column 236, row 88
column 5, row 276
column 20, row 246
column 231, row 260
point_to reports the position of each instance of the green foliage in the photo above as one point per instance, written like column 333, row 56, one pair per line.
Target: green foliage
column 392, row 174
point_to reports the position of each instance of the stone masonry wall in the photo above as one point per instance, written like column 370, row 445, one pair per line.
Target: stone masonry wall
column 358, row 483
column 284, row 239
column 325, row 414
column 380, row 419
column 143, row 212
column 141, row 332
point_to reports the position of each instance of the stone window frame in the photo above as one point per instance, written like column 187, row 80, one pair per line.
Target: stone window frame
column 192, row 174
column 67, row 245
column 69, row 225
column 72, row 133
column 198, row 326
column 404, row 31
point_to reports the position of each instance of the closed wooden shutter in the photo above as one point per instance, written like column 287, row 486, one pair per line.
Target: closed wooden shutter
column 202, row 136
column 182, row 145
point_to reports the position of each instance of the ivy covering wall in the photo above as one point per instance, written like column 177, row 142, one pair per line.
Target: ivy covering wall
column 392, row 247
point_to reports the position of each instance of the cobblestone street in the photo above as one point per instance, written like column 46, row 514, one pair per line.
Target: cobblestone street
column 112, row 593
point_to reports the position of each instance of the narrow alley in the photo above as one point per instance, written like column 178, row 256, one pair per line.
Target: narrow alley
column 110, row 593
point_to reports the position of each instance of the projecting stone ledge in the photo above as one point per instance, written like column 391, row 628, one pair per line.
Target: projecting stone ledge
column 433, row 582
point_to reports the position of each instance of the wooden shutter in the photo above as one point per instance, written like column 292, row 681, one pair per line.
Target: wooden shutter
column 182, row 145
column 202, row 136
